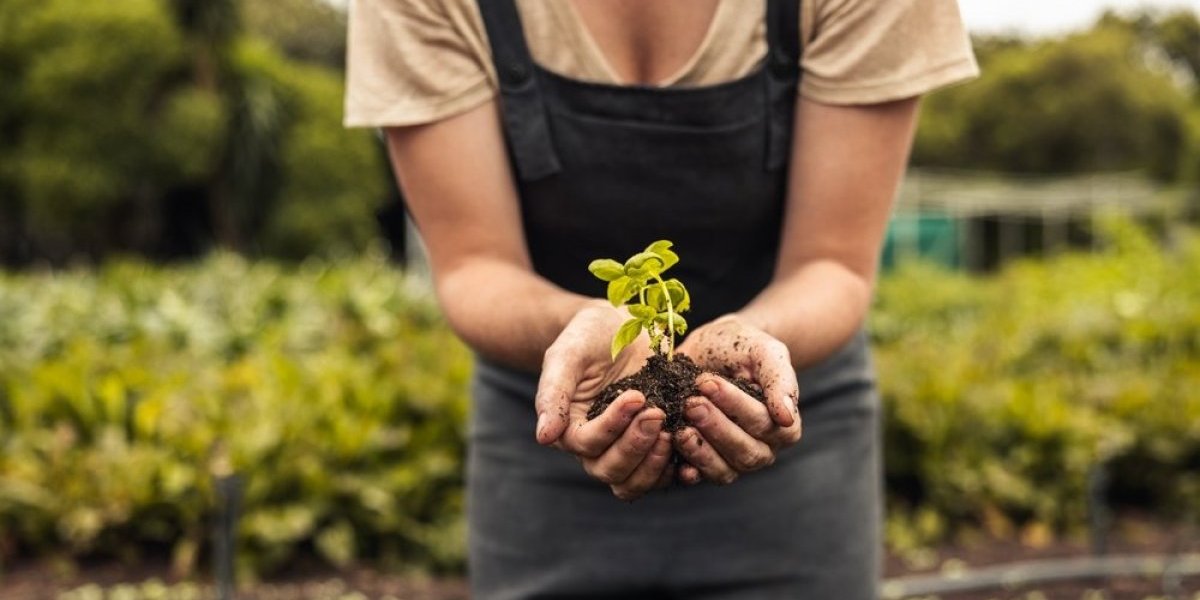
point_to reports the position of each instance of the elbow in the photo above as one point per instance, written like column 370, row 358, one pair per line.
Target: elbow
column 452, row 289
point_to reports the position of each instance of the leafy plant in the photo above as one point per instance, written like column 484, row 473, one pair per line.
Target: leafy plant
column 654, row 303
column 341, row 397
column 332, row 388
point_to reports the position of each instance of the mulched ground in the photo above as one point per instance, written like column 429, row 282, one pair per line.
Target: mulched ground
column 1134, row 535
column 44, row 582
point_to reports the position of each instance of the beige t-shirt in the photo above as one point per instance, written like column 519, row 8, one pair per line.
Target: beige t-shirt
column 417, row 61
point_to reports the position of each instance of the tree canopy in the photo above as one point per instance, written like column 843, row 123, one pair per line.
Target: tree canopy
column 160, row 126
column 1120, row 96
column 166, row 127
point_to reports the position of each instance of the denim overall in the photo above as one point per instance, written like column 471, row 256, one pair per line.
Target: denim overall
column 602, row 171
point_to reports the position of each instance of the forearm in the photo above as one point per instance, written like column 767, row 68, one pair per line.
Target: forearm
column 456, row 180
column 813, row 309
column 504, row 311
column 846, row 164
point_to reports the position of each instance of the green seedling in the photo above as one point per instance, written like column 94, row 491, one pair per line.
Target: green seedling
column 654, row 303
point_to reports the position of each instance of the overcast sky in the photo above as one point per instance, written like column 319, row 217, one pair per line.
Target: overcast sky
column 1049, row 16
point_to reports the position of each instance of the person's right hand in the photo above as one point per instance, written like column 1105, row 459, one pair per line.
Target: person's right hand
column 625, row 447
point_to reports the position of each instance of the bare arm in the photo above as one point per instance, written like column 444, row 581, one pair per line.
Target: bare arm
column 846, row 165
column 456, row 179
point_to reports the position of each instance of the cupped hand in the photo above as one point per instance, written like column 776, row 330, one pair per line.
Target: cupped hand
column 625, row 446
column 730, row 432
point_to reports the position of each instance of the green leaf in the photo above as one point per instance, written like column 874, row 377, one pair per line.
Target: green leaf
column 655, row 298
column 680, row 323
column 336, row 543
column 643, row 265
column 643, row 313
column 625, row 335
column 660, row 245
column 681, row 300
column 662, row 249
column 621, row 289
column 606, row 269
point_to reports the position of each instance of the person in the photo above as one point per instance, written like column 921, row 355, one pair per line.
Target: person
column 766, row 139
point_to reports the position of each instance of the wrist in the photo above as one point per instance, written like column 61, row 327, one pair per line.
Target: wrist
column 744, row 317
column 606, row 311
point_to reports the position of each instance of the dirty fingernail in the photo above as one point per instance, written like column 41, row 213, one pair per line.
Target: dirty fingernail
column 708, row 387
column 697, row 412
column 650, row 426
column 631, row 408
column 541, row 425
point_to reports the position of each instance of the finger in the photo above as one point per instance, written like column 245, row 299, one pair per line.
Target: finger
column 692, row 446
column 629, row 450
column 667, row 477
column 781, row 437
column 741, row 408
column 561, row 372
column 647, row 474
column 774, row 371
column 747, row 412
column 591, row 438
column 739, row 449
column 689, row 475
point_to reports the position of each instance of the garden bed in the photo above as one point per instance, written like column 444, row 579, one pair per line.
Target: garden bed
column 308, row 579
column 338, row 397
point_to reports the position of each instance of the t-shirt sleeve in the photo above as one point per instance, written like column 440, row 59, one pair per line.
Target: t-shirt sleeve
column 410, row 62
column 869, row 51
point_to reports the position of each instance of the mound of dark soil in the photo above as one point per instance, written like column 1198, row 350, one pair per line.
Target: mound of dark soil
column 666, row 384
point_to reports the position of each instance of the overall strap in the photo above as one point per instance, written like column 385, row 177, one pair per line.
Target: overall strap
column 522, row 107
column 783, row 76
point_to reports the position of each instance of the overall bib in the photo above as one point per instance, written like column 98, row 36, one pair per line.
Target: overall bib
column 602, row 171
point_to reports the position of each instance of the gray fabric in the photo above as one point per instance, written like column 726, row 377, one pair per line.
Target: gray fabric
column 808, row 527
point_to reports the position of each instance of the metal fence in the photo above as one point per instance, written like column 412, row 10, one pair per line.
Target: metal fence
column 978, row 221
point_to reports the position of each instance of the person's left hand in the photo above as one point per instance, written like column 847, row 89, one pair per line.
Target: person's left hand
column 729, row 431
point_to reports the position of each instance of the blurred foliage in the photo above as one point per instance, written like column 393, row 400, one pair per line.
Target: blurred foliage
column 330, row 180
column 80, row 134
column 125, row 121
column 1120, row 96
column 308, row 30
column 1003, row 394
column 155, row 589
column 167, row 127
column 334, row 390
column 1176, row 32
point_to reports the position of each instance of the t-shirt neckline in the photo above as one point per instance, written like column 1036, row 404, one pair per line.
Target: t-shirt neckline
column 596, row 54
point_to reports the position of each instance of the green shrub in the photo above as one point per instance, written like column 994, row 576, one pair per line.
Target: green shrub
column 1002, row 394
column 334, row 390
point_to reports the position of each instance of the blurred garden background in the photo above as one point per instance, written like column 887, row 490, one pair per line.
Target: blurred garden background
column 217, row 341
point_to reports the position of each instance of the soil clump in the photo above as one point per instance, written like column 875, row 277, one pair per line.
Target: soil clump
column 667, row 384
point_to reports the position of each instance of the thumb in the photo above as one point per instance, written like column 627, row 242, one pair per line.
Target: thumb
column 556, row 386
column 779, row 382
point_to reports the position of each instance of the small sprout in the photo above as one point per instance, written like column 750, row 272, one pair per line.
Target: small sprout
column 653, row 303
